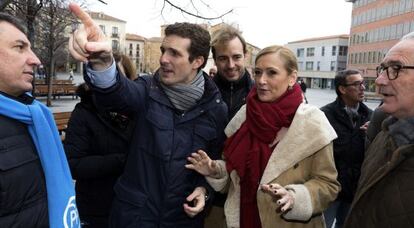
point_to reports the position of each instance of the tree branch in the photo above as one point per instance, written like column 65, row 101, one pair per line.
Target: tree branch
column 192, row 14
column 4, row 4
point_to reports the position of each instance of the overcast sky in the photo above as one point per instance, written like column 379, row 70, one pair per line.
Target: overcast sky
column 263, row 22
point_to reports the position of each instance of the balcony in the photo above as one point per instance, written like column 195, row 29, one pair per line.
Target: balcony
column 115, row 35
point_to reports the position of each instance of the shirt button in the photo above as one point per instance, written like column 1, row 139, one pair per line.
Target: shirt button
column 218, row 101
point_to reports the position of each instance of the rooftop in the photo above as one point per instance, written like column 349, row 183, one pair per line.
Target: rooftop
column 342, row 36
column 103, row 16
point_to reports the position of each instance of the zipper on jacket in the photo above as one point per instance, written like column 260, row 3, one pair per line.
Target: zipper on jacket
column 231, row 95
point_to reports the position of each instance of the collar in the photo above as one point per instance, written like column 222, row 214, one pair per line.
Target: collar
column 25, row 98
column 244, row 81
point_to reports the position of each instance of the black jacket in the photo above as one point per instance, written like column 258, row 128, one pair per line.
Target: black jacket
column 96, row 145
column 234, row 93
column 349, row 147
column 23, row 195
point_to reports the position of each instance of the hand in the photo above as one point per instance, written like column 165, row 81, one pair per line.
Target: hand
column 202, row 163
column 88, row 43
column 198, row 198
column 364, row 127
column 282, row 197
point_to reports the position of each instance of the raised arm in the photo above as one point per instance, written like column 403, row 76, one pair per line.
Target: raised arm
column 88, row 43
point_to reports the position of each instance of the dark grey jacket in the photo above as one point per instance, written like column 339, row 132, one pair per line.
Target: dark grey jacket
column 349, row 147
column 23, row 197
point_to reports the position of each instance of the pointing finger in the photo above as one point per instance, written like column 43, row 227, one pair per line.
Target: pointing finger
column 98, row 46
column 81, row 15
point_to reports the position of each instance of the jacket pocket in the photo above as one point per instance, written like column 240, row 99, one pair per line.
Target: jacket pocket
column 203, row 136
column 160, row 135
column 15, row 151
column 128, row 208
column 130, row 196
column 21, row 174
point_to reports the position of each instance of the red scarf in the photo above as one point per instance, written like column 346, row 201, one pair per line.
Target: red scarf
column 248, row 150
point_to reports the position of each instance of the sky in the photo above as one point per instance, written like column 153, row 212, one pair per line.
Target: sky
column 263, row 22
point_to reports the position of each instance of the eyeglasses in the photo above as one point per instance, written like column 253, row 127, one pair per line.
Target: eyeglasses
column 392, row 70
column 356, row 84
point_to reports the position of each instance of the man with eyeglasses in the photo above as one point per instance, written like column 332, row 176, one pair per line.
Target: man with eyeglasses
column 349, row 117
column 385, row 195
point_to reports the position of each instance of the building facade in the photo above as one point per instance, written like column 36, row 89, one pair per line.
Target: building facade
column 135, row 49
column 113, row 28
column 320, row 58
column 376, row 26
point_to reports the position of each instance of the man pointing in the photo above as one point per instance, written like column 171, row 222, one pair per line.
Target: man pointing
column 178, row 112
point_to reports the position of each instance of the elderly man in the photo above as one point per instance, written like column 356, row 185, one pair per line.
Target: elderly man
column 178, row 111
column 348, row 116
column 36, row 188
column 385, row 191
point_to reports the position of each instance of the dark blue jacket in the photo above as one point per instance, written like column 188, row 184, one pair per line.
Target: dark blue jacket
column 154, row 186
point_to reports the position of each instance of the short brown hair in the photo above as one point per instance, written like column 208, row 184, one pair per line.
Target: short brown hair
column 224, row 35
column 199, row 37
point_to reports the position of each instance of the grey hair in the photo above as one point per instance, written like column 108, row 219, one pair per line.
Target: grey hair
column 409, row 36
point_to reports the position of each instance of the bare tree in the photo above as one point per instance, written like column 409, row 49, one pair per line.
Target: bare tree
column 54, row 25
column 194, row 9
column 4, row 4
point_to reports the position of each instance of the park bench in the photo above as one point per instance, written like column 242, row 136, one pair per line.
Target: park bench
column 57, row 90
column 61, row 120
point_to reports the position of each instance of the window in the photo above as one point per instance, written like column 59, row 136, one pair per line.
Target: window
column 343, row 51
column 310, row 52
column 400, row 30
column 114, row 31
column 309, row 65
column 393, row 32
column 333, row 65
column 300, row 65
column 130, row 46
column 115, row 44
column 323, row 50
column 406, row 28
column 138, row 50
column 300, row 52
column 102, row 27
column 333, row 50
column 341, row 65
column 318, row 66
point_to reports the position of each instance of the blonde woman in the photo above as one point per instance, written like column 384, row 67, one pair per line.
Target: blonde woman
column 278, row 169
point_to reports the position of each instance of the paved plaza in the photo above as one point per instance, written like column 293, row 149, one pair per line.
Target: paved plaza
column 318, row 97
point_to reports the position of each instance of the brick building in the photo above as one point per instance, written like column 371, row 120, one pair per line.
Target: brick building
column 376, row 26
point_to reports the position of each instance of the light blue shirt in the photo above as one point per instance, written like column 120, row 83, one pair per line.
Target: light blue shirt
column 102, row 79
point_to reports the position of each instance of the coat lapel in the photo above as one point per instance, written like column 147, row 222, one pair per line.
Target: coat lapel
column 296, row 143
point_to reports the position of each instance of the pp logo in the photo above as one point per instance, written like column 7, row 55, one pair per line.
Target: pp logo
column 71, row 215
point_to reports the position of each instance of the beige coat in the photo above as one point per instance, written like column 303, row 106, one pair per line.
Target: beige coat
column 302, row 162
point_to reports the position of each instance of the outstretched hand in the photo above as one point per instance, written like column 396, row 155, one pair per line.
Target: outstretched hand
column 282, row 197
column 202, row 163
column 88, row 42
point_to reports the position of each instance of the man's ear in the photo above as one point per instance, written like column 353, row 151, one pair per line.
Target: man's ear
column 197, row 62
column 342, row 89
